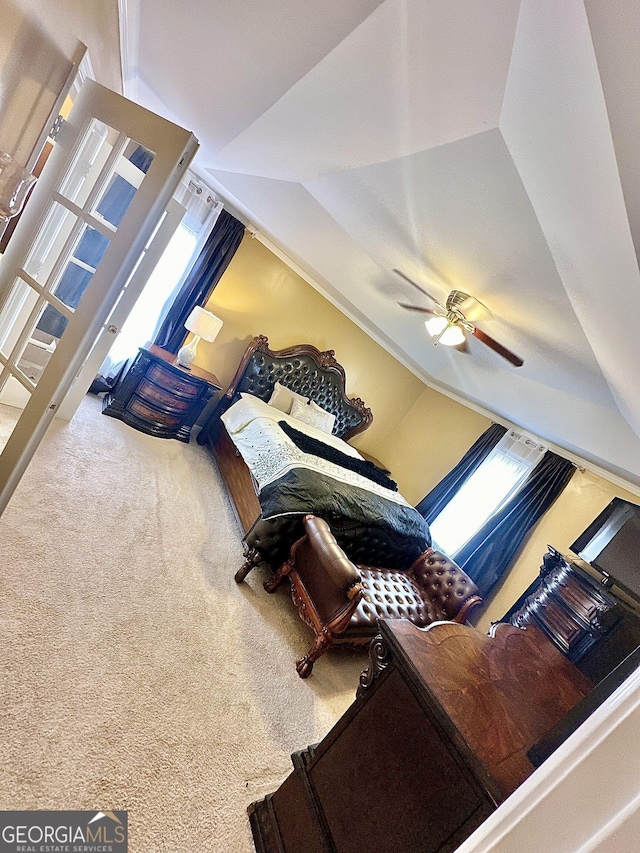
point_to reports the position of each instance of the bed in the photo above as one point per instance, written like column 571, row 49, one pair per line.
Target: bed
column 294, row 470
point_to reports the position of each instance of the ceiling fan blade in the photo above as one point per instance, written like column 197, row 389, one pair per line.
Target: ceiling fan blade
column 416, row 308
column 496, row 347
column 416, row 285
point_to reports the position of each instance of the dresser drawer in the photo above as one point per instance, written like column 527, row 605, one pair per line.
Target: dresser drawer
column 152, row 416
column 150, row 392
column 159, row 398
column 172, row 382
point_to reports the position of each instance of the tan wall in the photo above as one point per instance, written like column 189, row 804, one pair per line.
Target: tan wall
column 429, row 440
column 417, row 432
column 259, row 294
column 38, row 38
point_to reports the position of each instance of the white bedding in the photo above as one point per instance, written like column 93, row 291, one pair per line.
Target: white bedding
column 269, row 453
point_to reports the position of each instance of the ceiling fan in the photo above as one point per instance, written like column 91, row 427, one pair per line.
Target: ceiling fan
column 450, row 321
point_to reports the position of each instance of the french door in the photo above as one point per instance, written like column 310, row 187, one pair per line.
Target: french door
column 106, row 185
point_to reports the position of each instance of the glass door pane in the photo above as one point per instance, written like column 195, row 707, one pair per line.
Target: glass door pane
column 100, row 183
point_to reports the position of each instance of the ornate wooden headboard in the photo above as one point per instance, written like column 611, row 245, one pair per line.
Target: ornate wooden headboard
column 307, row 371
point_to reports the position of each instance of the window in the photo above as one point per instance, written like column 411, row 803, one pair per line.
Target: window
column 142, row 324
column 493, row 483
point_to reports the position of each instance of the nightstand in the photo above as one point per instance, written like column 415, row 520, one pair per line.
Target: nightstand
column 159, row 397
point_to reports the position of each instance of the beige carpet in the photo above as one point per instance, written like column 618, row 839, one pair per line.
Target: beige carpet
column 135, row 674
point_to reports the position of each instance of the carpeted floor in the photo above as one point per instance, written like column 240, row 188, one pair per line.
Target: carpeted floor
column 135, row 674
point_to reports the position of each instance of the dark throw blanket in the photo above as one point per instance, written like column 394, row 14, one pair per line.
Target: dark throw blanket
column 318, row 448
column 372, row 529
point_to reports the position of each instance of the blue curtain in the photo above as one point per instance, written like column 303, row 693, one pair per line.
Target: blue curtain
column 215, row 257
column 433, row 504
column 488, row 554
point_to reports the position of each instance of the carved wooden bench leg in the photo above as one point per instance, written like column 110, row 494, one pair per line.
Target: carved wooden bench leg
column 273, row 583
column 252, row 558
column 319, row 647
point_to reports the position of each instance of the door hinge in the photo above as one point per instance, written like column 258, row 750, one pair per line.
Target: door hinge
column 57, row 125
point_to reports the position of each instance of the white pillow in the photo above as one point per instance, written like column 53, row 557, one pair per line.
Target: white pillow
column 282, row 398
column 328, row 417
column 313, row 415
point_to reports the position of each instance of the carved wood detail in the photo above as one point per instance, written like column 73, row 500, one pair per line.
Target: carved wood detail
column 322, row 642
column 589, row 624
column 274, row 582
column 324, row 359
column 379, row 659
column 304, row 606
column 252, row 558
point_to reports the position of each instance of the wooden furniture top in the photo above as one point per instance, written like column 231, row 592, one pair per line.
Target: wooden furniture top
column 170, row 359
column 496, row 696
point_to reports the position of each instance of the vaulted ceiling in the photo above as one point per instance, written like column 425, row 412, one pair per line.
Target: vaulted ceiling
column 489, row 146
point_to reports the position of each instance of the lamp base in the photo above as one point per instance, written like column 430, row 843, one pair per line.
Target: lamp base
column 187, row 354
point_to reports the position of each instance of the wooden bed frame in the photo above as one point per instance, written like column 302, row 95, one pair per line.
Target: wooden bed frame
column 305, row 370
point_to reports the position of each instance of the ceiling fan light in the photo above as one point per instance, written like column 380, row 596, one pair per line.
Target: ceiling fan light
column 452, row 337
column 435, row 325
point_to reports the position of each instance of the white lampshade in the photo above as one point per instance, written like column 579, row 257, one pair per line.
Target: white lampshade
column 452, row 337
column 203, row 323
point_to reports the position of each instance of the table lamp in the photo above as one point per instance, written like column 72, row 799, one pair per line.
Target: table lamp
column 203, row 324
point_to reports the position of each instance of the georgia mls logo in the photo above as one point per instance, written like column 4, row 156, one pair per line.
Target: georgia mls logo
column 63, row 832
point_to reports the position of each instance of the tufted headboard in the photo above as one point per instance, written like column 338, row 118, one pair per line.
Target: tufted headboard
column 307, row 371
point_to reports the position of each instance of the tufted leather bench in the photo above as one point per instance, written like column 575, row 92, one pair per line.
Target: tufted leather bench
column 342, row 602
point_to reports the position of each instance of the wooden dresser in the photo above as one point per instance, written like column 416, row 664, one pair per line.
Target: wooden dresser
column 587, row 621
column 159, row 397
column 435, row 741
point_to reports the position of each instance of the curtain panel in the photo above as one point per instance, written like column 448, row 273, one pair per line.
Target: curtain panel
column 213, row 260
column 433, row 504
column 488, row 554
